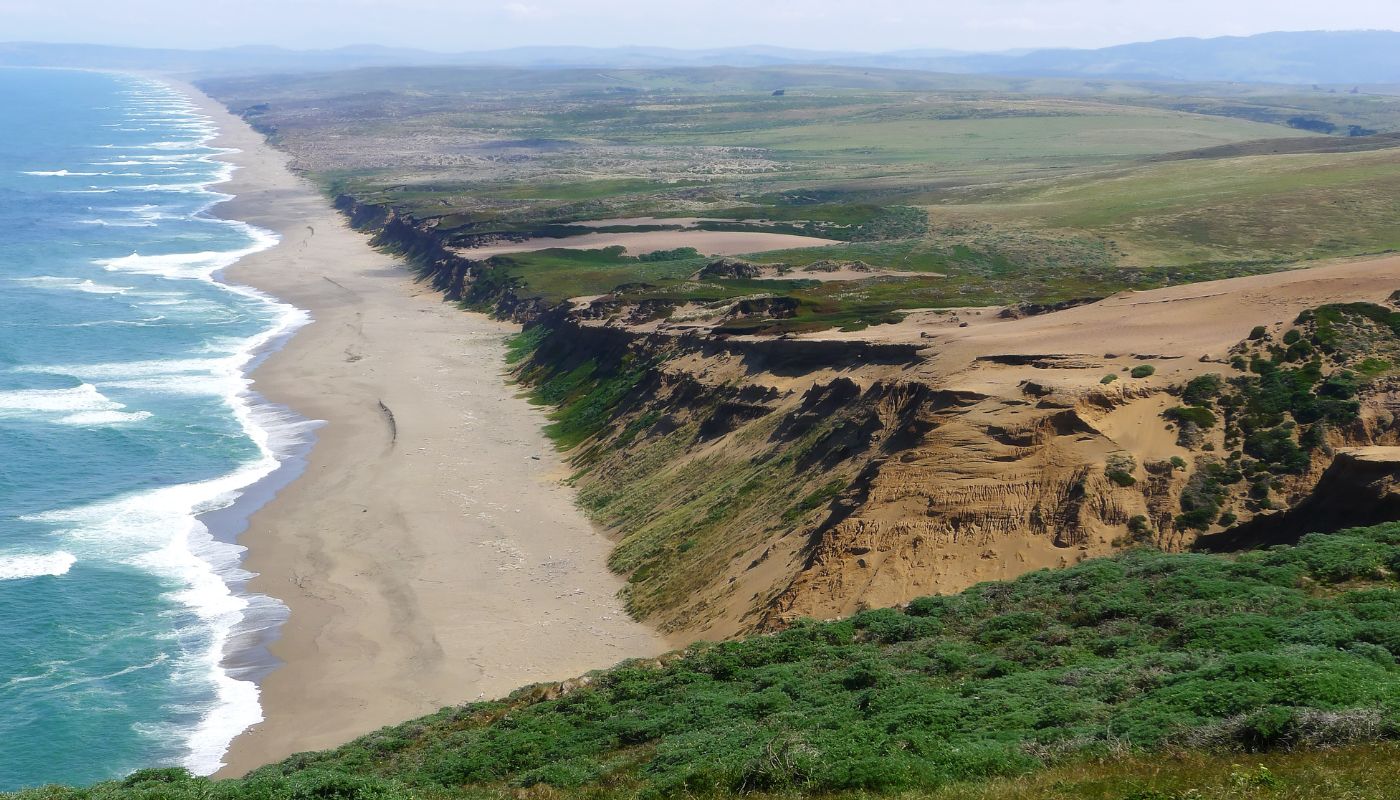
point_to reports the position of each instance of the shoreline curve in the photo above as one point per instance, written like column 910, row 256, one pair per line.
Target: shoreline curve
column 442, row 564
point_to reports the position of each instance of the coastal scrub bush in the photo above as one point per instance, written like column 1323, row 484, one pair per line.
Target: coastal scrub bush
column 1143, row 371
column 1279, row 413
column 1119, row 469
column 1196, row 415
column 1202, row 389
column 1139, row 527
column 677, row 254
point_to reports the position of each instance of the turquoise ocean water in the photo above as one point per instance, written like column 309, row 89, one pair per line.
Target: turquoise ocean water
column 124, row 413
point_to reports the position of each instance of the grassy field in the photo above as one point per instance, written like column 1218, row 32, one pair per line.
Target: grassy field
column 1065, row 133
column 1255, row 208
column 1033, row 190
column 1141, row 677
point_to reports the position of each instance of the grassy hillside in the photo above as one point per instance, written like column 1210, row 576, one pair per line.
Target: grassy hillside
column 1143, row 676
column 1251, row 208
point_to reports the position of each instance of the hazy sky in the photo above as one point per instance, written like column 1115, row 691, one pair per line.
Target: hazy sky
column 821, row 24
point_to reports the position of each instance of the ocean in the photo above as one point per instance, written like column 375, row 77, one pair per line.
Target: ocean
column 125, row 413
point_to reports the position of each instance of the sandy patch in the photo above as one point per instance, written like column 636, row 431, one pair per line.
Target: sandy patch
column 710, row 243
column 1138, row 427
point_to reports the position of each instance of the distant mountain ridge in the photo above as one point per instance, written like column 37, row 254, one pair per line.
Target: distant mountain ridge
column 1304, row 57
column 1330, row 57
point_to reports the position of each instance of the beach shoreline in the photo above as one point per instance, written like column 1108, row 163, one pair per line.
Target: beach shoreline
column 427, row 552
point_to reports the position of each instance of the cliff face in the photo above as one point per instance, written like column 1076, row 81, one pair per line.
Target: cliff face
column 750, row 481
column 418, row 241
column 749, row 486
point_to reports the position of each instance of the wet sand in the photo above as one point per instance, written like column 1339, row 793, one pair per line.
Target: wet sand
column 428, row 554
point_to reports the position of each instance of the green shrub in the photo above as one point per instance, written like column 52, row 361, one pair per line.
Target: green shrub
column 1109, row 378
column 1196, row 519
column 1119, row 469
column 1276, row 448
column 1373, row 367
column 1201, row 417
column 1202, row 389
column 678, row 254
column 1121, row 478
column 1143, row 371
column 1267, row 728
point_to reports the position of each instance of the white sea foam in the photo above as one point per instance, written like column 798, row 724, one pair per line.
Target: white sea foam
column 183, row 188
column 145, row 213
column 103, row 419
column 81, row 405
column 170, row 145
column 174, row 265
column 137, row 323
column 131, row 223
column 14, row 568
column 199, row 266
column 107, row 374
column 61, row 173
column 160, row 530
column 130, row 160
column 84, row 397
column 85, row 285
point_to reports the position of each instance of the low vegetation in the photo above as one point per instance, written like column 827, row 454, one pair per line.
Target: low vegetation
column 1104, row 674
column 1142, row 677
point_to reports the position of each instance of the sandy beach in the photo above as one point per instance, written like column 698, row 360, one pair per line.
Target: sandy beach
column 428, row 554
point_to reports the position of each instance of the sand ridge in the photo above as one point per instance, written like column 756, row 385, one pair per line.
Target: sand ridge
column 429, row 554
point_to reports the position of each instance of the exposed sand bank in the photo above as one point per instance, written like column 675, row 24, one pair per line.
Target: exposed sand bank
column 428, row 554
column 710, row 243
column 1172, row 327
